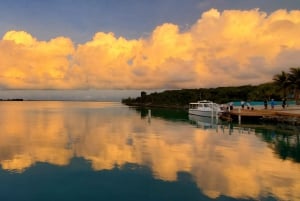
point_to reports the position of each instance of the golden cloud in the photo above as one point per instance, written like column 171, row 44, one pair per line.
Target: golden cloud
column 232, row 47
column 29, row 63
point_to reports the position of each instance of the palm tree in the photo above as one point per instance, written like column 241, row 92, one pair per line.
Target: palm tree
column 282, row 80
column 294, row 79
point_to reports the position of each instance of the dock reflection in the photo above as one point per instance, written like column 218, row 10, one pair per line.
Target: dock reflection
column 219, row 126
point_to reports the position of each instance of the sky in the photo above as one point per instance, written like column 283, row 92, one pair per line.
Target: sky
column 132, row 45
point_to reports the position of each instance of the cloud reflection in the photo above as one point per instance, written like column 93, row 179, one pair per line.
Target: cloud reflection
column 237, row 165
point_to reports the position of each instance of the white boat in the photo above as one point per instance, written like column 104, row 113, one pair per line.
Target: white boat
column 205, row 108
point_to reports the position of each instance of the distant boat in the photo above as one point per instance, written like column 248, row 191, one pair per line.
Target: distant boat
column 205, row 108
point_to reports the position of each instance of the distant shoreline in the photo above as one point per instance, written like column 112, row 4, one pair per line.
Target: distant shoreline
column 62, row 100
column 13, row 99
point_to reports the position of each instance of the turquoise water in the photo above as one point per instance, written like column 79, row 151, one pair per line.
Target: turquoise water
column 261, row 103
column 108, row 151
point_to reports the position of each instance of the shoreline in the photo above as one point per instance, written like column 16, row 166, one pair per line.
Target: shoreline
column 289, row 115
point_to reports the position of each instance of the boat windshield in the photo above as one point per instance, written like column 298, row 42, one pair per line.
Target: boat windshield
column 199, row 105
column 194, row 105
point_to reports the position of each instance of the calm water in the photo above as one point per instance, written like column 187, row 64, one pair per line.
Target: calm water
column 107, row 151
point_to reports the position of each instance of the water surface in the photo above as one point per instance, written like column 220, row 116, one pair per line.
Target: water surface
column 108, row 151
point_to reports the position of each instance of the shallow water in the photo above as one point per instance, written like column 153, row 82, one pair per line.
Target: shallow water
column 108, row 151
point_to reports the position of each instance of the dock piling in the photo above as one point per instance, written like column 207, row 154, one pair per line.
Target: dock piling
column 239, row 115
column 149, row 115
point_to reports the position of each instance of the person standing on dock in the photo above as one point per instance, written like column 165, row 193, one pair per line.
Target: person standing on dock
column 272, row 104
column 266, row 104
column 283, row 103
column 242, row 104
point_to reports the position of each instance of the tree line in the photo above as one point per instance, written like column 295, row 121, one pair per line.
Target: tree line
column 283, row 85
column 288, row 83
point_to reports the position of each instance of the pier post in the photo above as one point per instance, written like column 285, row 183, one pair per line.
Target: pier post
column 217, row 116
column 239, row 115
column 212, row 111
column 149, row 115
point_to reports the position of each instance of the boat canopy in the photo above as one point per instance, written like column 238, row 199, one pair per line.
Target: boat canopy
column 204, row 104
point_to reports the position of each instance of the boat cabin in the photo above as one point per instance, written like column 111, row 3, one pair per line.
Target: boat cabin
column 201, row 104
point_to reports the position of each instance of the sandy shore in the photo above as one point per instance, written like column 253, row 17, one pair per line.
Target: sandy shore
column 277, row 113
column 295, row 109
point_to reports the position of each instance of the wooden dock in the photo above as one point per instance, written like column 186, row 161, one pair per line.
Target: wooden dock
column 290, row 115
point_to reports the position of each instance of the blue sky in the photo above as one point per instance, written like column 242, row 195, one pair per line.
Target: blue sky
column 81, row 19
column 120, row 47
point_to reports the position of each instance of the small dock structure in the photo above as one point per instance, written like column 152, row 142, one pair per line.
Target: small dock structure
column 289, row 115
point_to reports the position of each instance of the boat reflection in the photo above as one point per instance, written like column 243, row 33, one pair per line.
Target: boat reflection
column 203, row 122
column 219, row 126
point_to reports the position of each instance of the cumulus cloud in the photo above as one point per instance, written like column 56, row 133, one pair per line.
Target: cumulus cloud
column 232, row 47
column 26, row 62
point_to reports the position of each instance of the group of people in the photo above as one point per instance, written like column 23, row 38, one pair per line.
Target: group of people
column 273, row 103
column 247, row 104
column 249, row 107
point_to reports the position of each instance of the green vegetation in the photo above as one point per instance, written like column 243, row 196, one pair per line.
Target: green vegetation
column 283, row 85
column 289, row 83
